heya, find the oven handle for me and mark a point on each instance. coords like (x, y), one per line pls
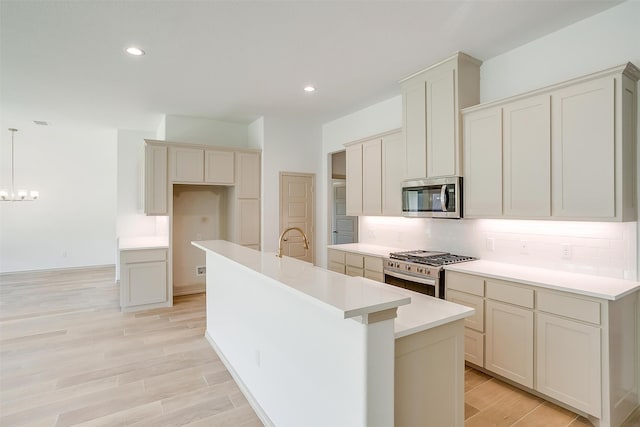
(421, 280)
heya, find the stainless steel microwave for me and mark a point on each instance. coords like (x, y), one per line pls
(432, 197)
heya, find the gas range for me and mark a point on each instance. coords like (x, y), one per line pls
(420, 270)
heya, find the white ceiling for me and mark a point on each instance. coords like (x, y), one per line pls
(64, 61)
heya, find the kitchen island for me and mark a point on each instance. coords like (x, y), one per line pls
(312, 347)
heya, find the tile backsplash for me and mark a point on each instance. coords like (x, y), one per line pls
(598, 248)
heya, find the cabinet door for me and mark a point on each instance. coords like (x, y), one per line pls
(392, 174)
(509, 342)
(186, 164)
(354, 180)
(372, 177)
(527, 157)
(442, 140)
(414, 128)
(474, 346)
(248, 171)
(583, 150)
(249, 222)
(568, 362)
(155, 180)
(483, 163)
(146, 283)
(219, 167)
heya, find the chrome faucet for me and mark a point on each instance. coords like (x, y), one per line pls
(304, 237)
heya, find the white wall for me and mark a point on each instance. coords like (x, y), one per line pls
(73, 223)
(375, 119)
(289, 146)
(131, 220)
(198, 130)
(602, 41)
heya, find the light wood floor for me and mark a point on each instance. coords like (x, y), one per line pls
(69, 357)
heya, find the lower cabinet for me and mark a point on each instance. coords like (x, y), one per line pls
(143, 279)
(509, 349)
(353, 264)
(568, 356)
(579, 350)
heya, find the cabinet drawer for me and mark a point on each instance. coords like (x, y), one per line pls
(474, 347)
(465, 283)
(338, 267)
(477, 320)
(569, 306)
(374, 275)
(354, 271)
(505, 292)
(354, 260)
(373, 264)
(143, 255)
(336, 256)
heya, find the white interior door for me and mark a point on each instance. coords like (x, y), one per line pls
(344, 228)
(297, 210)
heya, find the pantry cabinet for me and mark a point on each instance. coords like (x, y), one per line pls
(244, 215)
(431, 101)
(374, 175)
(565, 152)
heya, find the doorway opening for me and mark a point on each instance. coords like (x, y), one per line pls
(343, 228)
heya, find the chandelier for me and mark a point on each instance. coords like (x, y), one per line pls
(12, 195)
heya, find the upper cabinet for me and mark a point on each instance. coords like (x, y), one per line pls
(431, 101)
(201, 165)
(566, 152)
(374, 175)
(248, 165)
(154, 177)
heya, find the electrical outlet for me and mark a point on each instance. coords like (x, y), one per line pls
(524, 247)
(566, 251)
(490, 244)
(201, 270)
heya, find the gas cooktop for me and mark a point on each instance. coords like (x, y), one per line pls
(431, 258)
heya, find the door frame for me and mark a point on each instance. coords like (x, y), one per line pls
(313, 233)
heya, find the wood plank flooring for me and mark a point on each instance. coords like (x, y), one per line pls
(69, 357)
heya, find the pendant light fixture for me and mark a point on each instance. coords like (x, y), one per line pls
(12, 195)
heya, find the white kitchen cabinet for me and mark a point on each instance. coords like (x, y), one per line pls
(186, 164)
(248, 170)
(336, 261)
(354, 179)
(568, 360)
(374, 175)
(249, 222)
(371, 177)
(509, 342)
(155, 180)
(143, 279)
(565, 152)
(431, 101)
(219, 167)
(527, 157)
(392, 174)
(354, 264)
(483, 163)
(583, 117)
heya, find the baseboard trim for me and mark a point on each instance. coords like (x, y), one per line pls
(58, 270)
(192, 292)
(252, 401)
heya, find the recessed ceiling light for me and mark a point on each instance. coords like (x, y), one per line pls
(309, 88)
(41, 122)
(135, 51)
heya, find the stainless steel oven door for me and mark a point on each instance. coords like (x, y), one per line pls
(422, 285)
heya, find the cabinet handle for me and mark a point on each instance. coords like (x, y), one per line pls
(443, 198)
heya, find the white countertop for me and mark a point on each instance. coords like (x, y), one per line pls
(581, 284)
(353, 296)
(366, 249)
(350, 296)
(143, 242)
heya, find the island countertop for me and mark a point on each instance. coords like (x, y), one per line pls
(349, 296)
(353, 296)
